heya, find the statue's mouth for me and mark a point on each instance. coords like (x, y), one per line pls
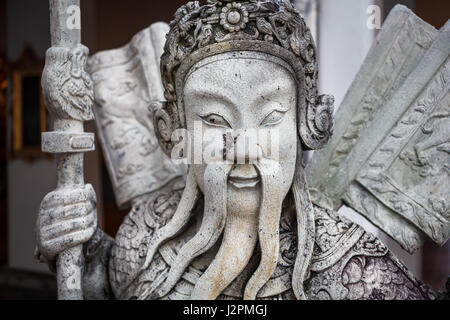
(244, 176)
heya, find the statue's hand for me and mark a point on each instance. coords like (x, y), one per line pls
(67, 218)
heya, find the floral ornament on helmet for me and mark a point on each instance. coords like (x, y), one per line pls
(234, 17)
(269, 26)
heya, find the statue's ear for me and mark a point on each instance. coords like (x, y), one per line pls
(316, 122)
(163, 127)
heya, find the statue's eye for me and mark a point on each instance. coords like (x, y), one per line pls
(215, 120)
(273, 118)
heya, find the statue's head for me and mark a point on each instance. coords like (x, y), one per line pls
(236, 71)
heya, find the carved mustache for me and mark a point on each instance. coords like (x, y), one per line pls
(222, 270)
(213, 223)
(215, 216)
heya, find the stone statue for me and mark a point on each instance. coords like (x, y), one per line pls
(259, 225)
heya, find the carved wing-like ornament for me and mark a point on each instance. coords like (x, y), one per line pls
(127, 83)
(389, 158)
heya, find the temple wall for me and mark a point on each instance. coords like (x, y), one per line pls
(28, 182)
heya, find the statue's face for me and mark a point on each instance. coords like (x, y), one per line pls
(245, 95)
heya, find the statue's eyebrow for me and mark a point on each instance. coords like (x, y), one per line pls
(268, 98)
(279, 107)
(204, 93)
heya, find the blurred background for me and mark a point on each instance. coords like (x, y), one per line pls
(26, 174)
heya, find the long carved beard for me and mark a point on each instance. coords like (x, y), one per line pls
(214, 217)
(178, 221)
(269, 226)
(240, 238)
(238, 244)
(305, 228)
(241, 234)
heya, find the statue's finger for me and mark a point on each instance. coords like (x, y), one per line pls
(66, 197)
(64, 213)
(63, 243)
(65, 228)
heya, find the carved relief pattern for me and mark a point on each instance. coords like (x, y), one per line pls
(329, 229)
(373, 278)
(374, 177)
(67, 87)
(437, 139)
(124, 118)
(428, 221)
(275, 23)
(288, 242)
(367, 272)
(134, 235)
(406, 234)
(309, 10)
(127, 133)
(380, 86)
(435, 94)
(363, 270)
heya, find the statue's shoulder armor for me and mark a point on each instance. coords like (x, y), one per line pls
(148, 214)
(349, 263)
(335, 235)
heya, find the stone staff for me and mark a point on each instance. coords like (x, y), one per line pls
(68, 94)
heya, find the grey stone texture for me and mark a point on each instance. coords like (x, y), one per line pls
(388, 158)
(266, 228)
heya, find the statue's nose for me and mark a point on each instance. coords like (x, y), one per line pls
(247, 149)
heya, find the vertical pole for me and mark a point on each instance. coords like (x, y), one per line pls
(68, 95)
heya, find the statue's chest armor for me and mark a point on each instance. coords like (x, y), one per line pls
(343, 252)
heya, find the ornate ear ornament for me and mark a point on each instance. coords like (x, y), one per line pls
(163, 126)
(269, 26)
(316, 124)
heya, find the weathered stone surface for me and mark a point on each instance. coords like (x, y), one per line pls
(242, 225)
(127, 84)
(399, 47)
(375, 122)
(62, 142)
(408, 171)
(67, 216)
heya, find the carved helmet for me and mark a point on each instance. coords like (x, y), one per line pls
(272, 27)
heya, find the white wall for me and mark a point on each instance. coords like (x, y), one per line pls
(344, 41)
